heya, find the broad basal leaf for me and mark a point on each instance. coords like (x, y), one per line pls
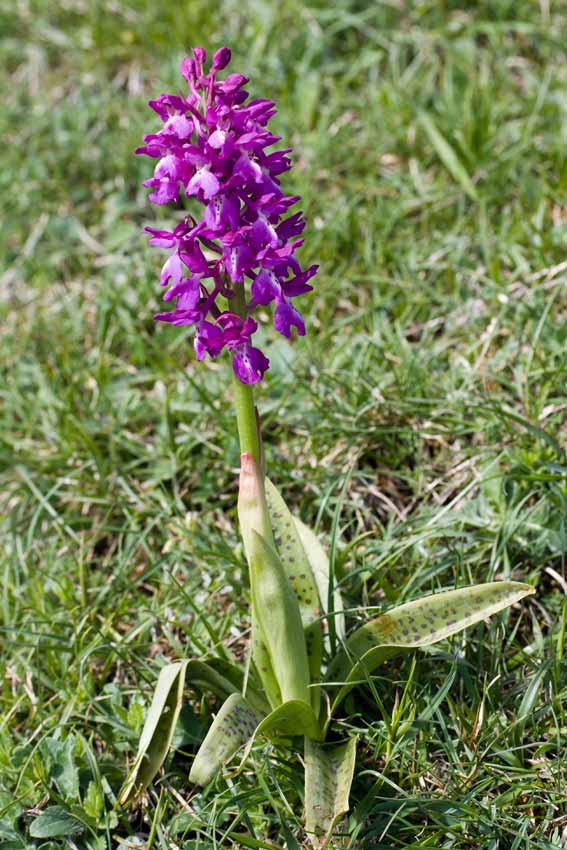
(234, 725)
(419, 623)
(277, 614)
(158, 729)
(328, 777)
(223, 679)
(293, 557)
(297, 567)
(237, 725)
(295, 717)
(263, 664)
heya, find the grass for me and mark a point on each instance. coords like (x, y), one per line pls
(422, 418)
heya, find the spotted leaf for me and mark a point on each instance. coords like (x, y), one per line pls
(232, 728)
(319, 561)
(328, 777)
(420, 623)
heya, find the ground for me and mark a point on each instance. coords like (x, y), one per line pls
(419, 426)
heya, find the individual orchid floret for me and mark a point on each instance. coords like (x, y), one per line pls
(240, 254)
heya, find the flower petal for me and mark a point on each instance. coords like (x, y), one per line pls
(187, 292)
(286, 317)
(205, 182)
(172, 268)
(208, 340)
(249, 364)
(265, 287)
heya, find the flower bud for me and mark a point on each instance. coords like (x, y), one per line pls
(200, 55)
(221, 59)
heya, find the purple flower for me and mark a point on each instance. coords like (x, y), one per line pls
(212, 147)
(204, 184)
(168, 174)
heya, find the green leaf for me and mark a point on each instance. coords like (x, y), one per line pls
(278, 617)
(237, 725)
(188, 729)
(297, 567)
(292, 718)
(234, 725)
(293, 557)
(263, 664)
(448, 156)
(319, 562)
(158, 730)
(419, 623)
(328, 778)
(279, 645)
(93, 801)
(223, 679)
(55, 822)
(63, 768)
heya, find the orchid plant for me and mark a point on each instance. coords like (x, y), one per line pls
(238, 256)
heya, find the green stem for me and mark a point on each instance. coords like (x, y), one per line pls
(249, 429)
(246, 419)
(244, 395)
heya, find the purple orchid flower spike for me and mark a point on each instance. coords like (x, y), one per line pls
(212, 149)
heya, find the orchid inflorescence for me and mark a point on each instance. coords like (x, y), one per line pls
(213, 146)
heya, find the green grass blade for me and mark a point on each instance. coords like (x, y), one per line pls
(158, 730)
(234, 725)
(298, 568)
(419, 623)
(447, 155)
(319, 562)
(328, 777)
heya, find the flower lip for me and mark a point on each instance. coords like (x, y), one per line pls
(249, 364)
